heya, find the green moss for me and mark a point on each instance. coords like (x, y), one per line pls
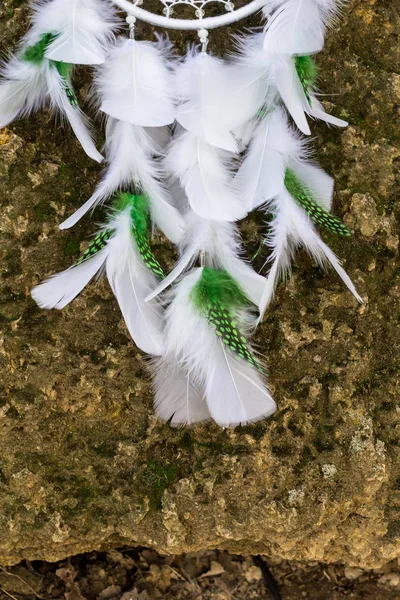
(3, 478)
(187, 441)
(285, 448)
(107, 448)
(12, 413)
(13, 265)
(25, 395)
(294, 427)
(43, 211)
(156, 478)
(71, 247)
(307, 457)
(256, 430)
(324, 437)
(393, 529)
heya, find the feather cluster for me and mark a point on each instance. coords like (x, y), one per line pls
(63, 33)
(232, 149)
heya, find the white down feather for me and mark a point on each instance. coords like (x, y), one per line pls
(202, 100)
(84, 29)
(234, 391)
(129, 278)
(130, 153)
(221, 245)
(205, 173)
(135, 84)
(292, 228)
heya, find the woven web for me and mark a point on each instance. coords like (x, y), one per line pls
(195, 9)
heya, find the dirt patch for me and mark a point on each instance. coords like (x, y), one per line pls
(142, 574)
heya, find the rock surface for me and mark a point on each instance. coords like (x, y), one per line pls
(83, 462)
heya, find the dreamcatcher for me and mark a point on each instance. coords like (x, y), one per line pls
(192, 146)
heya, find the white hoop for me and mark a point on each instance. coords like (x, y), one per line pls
(188, 24)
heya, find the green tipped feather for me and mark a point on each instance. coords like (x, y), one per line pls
(97, 244)
(307, 72)
(35, 54)
(304, 197)
(140, 214)
(65, 70)
(218, 297)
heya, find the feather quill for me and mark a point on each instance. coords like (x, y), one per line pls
(115, 251)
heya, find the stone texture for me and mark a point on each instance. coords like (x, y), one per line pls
(83, 462)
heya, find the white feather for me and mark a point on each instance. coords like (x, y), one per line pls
(250, 79)
(201, 108)
(205, 174)
(275, 75)
(295, 27)
(262, 173)
(60, 289)
(84, 29)
(176, 396)
(221, 245)
(26, 87)
(234, 391)
(291, 228)
(22, 90)
(135, 84)
(131, 281)
(75, 117)
(317, 111)
(243, 134)
(130, 155)
(274, 148)
(291, 91)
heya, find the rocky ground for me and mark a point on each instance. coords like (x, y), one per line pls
(141, 574)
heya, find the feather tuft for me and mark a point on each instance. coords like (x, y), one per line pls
(83, 29)
(135, 84)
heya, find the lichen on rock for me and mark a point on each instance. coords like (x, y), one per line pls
(85, 465)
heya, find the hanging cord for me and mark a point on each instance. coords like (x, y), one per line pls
(131, 20)
(203, 35)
